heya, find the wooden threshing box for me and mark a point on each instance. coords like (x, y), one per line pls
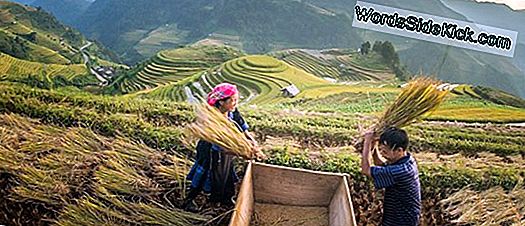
(276, 195)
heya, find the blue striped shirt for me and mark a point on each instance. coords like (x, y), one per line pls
(402, 202)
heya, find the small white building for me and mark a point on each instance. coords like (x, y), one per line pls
(106, 72)
(332, 80)
(290, 91)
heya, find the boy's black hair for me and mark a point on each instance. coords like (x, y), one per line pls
(394, 138)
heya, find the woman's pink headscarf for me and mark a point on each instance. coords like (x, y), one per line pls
(220, 92)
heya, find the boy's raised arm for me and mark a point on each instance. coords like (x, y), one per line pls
(365, 158)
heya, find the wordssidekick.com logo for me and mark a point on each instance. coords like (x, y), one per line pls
(435, 29)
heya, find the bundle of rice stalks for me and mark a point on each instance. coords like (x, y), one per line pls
(494, 206)
(212, 126)
(44, 186)
(121, 178)
(176, 171)
(112, 210)
(418, 98)
(44, 169)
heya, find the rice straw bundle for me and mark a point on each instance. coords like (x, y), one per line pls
(214, 127)
(419, 97)
(494, 206)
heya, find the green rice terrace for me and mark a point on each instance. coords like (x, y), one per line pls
(171, 66)
(337, 64)
(71, 157)
(41, 74)
(260, 80)
(33, 34)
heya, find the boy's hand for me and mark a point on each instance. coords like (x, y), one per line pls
(369, 136)
(365, 159)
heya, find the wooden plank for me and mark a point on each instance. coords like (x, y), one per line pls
(245, 202)
(341, 211)
(295, 187)
(256, 164)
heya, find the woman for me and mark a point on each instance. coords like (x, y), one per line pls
(214, 170)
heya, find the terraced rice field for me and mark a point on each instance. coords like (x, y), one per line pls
(176, 91)
(468, 109)
(334, 89)
(171, 76)
(171, 66)
(39, 53)
(264, 77)
(314, 65)
(259, 79)
(370, 100)
(368, 73)
(6, 17)
(326, 65)
(15, 69)
(465, 90)
(47, 49)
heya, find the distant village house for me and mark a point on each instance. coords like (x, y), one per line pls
(107, 72)
(290, 91)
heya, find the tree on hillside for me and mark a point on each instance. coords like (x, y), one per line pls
(30, 36)
(388, 53)
(15, 47)
(377, 46)
(401, 72)
(365, 48)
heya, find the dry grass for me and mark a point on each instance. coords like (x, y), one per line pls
(73, 176)
(113, 210)
(482, 160)
(491, 207)
(216, 128)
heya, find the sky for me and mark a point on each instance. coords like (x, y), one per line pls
(514, 4)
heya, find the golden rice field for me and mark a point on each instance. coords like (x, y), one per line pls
(13, 68)
(107, 179)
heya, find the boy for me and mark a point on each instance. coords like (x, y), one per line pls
(399, 176)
